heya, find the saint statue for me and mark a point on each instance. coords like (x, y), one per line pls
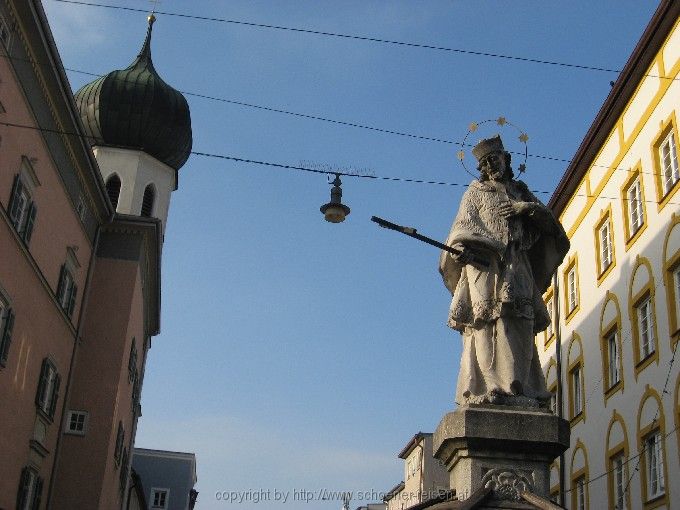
(499, 309)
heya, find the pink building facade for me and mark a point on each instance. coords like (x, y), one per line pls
(79, 278)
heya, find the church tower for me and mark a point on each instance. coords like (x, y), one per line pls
(141, 134)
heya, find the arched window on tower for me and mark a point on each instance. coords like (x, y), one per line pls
(147, 200)
(113, 190)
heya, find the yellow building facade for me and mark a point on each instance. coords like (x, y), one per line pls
(611, 355)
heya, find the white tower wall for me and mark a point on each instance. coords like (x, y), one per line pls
(136, 171)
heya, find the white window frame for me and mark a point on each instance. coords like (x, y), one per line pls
(158, 491)
(618, 463)
(656, 485)
(580, 493)
(577, 390)
(670, 173)
(67, 290)
(604, 234)
(48, 394)
(636, 213)
(572, 289)
(69, 422)
(646, 328)
(550, 330)
(613, 358)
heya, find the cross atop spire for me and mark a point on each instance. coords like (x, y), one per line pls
(155, 4)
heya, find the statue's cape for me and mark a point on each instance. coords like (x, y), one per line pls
(479, 226)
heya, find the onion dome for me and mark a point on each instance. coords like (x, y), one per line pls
(134, 108)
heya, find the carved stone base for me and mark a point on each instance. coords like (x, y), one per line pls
(508, 449)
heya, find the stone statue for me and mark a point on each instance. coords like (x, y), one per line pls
(499, 309)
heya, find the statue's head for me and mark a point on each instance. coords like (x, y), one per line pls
(494, 160)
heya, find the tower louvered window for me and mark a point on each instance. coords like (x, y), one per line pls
(148, 200)
(113, 190)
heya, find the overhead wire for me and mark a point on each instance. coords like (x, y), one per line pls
(314, 170)
(356, 37)
(350, 123)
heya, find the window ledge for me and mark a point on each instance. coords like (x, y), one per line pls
(605, 273)
(613, 389)
(576, 419)
(645, 362)
(37, 447)
(635, 236)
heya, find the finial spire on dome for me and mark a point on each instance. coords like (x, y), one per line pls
(146, 47)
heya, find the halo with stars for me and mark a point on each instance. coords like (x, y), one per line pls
(502, 122)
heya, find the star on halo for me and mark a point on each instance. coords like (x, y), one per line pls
(524, 138)
(501, 121)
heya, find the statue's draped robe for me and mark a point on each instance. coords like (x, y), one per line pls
(500, 309)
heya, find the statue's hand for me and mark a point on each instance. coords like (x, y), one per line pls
(464, 256)
(508, 209)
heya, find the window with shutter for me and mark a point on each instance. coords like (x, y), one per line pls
(132, 362)
(6, 326)
(22, 210)
(67, 291)
(30, 489)
(48, 389)
(120, 438)
(124, 469)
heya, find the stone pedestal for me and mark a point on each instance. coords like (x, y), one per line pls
(508, 449)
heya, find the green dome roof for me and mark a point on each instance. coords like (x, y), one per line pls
(134, 108)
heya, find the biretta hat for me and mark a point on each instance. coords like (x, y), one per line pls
(487, 146)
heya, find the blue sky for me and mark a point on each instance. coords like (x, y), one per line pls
(296, 354)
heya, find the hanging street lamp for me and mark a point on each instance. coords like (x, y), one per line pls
(335, 211)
